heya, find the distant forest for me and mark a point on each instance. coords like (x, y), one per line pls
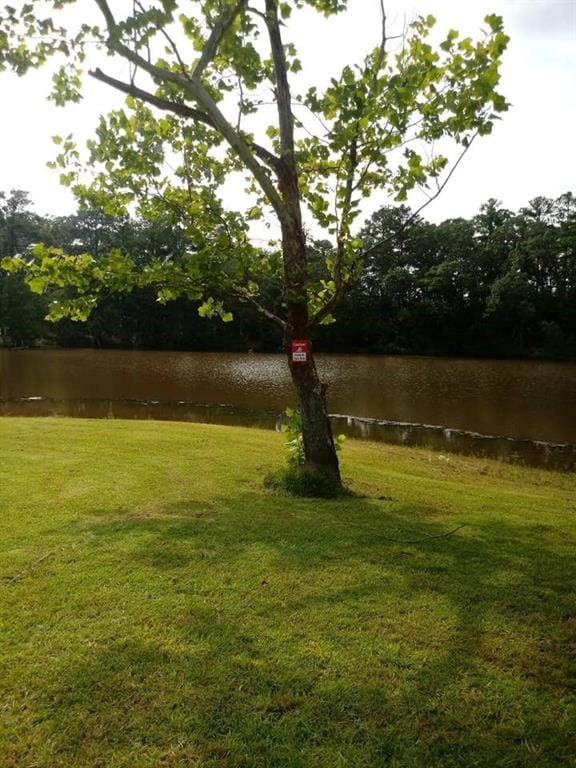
(499, 284)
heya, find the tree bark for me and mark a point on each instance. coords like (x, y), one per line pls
(319, 448)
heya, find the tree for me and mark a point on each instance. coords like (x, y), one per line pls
(21, 313)
(202, 75)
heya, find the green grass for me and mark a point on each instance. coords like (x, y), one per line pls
(159, 608)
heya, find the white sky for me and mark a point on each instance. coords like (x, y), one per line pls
(531, 152)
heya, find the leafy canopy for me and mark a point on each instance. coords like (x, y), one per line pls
(202, 77)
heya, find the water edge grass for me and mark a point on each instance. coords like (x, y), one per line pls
(160, 608)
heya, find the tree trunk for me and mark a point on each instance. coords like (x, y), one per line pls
(319, 448)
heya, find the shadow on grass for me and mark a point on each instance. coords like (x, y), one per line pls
(294, 633)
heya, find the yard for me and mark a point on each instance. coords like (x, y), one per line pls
(159, 607)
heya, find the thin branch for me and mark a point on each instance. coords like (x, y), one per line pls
(327, 130)
(256, 12)
(342, 288)
(383, 39)
(240, 104)
(349, 189)
(419, 210)
(344, 224)
(363, 175)
(345, 285)
(298, 123)
(169, 106)
(178, 109)
(245, 296)
(220, 28)
(201, 96)
(172, 45)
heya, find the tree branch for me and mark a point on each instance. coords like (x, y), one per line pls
(345, 285)
(171, 43)
(196, 91)
(293, 237)
(244, 296)
(283, 97)
(383, 39)
(222, 26)
(342, 287)
(178, 109)
(419, 210)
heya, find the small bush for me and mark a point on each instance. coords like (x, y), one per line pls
(295, 443)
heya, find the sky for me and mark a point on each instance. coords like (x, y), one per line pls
(531, 151)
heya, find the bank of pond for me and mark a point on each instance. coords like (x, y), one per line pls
(519, 411)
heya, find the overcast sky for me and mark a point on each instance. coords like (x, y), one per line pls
(531, 152)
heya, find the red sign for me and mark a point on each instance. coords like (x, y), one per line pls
(300, 351)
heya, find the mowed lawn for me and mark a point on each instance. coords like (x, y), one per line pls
(159, 608)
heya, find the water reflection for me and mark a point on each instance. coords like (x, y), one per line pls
(524, 400)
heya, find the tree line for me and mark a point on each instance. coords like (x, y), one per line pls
(501, 283)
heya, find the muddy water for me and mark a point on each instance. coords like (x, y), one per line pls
(456, 403)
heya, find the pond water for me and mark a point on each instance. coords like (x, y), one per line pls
(520, 410)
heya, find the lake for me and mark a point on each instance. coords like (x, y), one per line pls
(518, 410)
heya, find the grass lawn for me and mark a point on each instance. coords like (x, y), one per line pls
(159, 608)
